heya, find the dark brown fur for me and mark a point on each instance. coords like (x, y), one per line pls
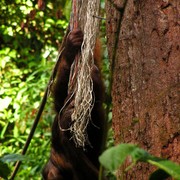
(67, 162)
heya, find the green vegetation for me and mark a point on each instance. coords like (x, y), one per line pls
(114, 157)
(29, 41)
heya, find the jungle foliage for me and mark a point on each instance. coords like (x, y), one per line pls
(30, 35)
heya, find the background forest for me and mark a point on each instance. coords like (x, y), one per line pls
(30, 35)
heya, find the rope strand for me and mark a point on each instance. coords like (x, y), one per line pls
(83, 87)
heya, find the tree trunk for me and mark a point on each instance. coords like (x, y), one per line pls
(144, 50)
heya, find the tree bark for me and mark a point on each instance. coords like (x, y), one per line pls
(143, 39)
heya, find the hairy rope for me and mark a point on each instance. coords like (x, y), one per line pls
(80, 83)
(84, 87)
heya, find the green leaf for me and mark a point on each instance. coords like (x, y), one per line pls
(67, 9)
(139, 154)
(166, 165)
(13, 158)
(3, 130)
(115, 156)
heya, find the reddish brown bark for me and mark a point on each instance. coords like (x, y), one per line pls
(145, 64)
